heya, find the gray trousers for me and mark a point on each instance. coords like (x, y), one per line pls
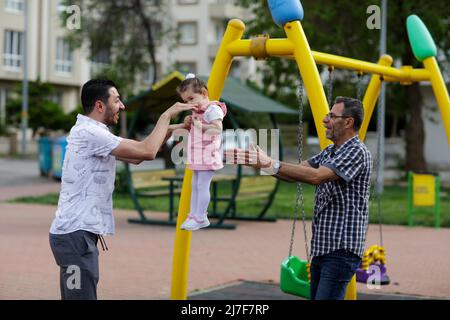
(76, 254)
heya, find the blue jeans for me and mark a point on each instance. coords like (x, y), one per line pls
(331, 273)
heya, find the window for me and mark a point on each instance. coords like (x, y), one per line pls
(14, 5)
(235, 69)
(57, 97)
(186, 67)
(148, 74)
(219, 31)
(188, 33)
(152, 2)
(63, 56)
(3, 106)
(187, 1)
(60, 6)
(157, 32)
(13, 49)
(100, 60)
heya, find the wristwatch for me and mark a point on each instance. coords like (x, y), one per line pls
(273, 169)
(276, 165)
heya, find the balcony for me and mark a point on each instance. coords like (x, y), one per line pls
(225, 9)
(212, 49)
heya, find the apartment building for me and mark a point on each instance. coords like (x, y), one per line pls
(49, 57)
(198, 26)
(194, 30)
(201, 25)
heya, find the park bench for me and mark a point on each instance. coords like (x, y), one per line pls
(248, 188)
(150, 184)
(156, 183)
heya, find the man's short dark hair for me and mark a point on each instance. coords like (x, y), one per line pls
(94, 90)
(352, 108)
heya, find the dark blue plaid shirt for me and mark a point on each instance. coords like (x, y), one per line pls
(341, 207)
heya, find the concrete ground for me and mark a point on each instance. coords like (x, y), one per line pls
(138, 264)
(247, 290)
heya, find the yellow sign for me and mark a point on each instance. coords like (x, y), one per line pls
(424, 190)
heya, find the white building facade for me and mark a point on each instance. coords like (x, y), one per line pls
(199, 25)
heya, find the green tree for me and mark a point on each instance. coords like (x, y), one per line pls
(339, 27)
(127, 29)
(43, 112)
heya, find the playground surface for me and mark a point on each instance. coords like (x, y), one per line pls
(138, 264)
(247, 290)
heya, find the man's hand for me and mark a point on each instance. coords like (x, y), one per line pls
(187, 122)
(255, 157)
(179, 107)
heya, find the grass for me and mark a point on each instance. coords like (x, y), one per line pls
(394, 205)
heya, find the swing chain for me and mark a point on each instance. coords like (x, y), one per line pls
(330, 85)
(377, 163)
(299, 197)
(359, 85)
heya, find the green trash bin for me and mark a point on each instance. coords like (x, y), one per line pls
(58, 153)
(45, 155)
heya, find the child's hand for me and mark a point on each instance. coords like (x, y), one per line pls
(197, 123)
(179, 107)
(187, 122)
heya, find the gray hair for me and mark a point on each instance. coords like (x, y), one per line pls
(352, 108)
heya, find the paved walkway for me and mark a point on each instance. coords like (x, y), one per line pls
(247, 290)
(139, 263)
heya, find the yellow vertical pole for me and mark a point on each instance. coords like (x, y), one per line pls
(350, 294)
(371, 96)
(222, 63)
(440, 91)
(311, 78)
(180, 263)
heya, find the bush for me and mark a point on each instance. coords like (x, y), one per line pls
(42, 111)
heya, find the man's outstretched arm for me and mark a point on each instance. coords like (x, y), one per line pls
(147, 149)
(257, 158)
(308, 174)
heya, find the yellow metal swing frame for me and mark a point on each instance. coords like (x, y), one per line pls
(295, 46)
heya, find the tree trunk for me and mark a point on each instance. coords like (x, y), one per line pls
(415, 133)
(147, 25)
(394, 126)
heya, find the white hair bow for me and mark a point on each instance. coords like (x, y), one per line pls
(190, 76)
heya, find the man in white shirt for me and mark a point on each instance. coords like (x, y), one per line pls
(84, 211)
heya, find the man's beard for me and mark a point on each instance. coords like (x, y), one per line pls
(109, 117)
(334, 133)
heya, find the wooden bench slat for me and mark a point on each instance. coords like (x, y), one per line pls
(251, 196)
(158, 193)
(256, 184)
(148, 179)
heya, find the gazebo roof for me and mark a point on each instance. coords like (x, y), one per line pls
(235, 94)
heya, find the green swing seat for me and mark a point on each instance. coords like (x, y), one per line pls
(294, 277)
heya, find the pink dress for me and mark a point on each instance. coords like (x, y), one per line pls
(203, 147)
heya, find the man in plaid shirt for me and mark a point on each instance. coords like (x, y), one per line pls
(342, 174)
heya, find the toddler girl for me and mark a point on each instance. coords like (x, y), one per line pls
(203, 155)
